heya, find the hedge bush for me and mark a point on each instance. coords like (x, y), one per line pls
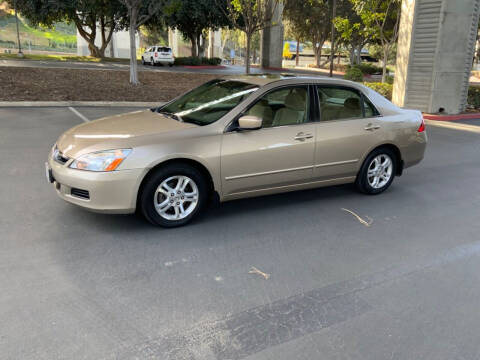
(195, 61)
(474, 96)
(382, 88)
(368, 69)
(354, 74)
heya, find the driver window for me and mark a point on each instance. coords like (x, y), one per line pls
(285, 106)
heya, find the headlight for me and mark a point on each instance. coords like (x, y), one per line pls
(107, 160)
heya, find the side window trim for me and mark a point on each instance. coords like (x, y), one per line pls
(230, 127)
(314, 104)
(365, 99)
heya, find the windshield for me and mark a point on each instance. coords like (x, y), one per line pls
(209, 102)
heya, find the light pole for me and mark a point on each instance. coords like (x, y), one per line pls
(332, 43)
(20, 53)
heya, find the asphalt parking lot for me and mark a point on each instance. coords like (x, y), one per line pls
(79, 285)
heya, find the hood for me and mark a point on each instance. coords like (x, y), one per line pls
(115, 132)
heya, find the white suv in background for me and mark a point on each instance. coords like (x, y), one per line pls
(158, 55)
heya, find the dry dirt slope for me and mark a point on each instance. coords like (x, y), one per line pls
(40, 84)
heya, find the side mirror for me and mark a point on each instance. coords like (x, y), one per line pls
(249, 122)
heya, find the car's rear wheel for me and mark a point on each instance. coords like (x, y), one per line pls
(377, 172)
(173, 195)
(170, 65)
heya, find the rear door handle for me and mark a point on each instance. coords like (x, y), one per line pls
(371, 127)
(302, 137)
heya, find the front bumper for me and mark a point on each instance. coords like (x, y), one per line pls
(109, 192)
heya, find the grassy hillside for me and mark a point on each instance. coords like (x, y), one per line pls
(62, 37)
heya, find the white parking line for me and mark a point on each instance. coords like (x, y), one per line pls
(84, 118)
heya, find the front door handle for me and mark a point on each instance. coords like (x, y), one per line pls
(302, 137)
(371, 127)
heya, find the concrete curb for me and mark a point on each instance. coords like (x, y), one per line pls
(451, 117)
(79, 103)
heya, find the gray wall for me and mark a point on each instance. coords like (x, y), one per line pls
(435, 52)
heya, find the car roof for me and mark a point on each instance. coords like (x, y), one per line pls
(265, 79)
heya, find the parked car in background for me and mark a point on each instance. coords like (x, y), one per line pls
(236, 138)
(162, 55)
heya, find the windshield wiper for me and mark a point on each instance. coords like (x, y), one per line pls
(196, 122)
(172, 116)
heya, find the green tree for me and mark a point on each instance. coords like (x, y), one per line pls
(251, 16)
(85, 14)
(138, 13)
(291, 32)
(154, 34)
(310, 19)
(381, 19)
(351, 30)
(193, 17)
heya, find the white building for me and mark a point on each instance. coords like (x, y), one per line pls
(180, 47)
(119, 46)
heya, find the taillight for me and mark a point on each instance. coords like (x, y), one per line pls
(156, 54)
(422, 126)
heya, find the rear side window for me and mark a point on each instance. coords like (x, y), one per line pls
(370, 110)
(337, 103)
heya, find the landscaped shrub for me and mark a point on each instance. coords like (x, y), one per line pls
(368, 69)
(382, 88)
(474, 96)
(354, 74)
(389, 79)
(336, 67)
(195, 61)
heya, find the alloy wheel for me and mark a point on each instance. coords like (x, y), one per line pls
(380, 171)
(176, 197)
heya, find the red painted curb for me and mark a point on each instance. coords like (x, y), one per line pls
(451, 117)
(204, 66)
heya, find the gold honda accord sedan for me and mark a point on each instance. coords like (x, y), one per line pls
(236, 138)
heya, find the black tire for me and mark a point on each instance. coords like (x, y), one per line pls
(362, 181)
(147, 197)
(170, 65)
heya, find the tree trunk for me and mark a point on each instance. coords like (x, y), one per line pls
(359, 54)
(247, 59)
(193, 39)
(385, 59)
(297, 54)
(200, 45)
(88, 37)
(105, 38)
(94, 50)
(352, 55)
(133, 47)
(318, 55)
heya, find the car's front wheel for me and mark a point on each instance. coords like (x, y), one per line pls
(173, 195)
(377, 172)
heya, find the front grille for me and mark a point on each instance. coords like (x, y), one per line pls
(59, 157)
(84, 194)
